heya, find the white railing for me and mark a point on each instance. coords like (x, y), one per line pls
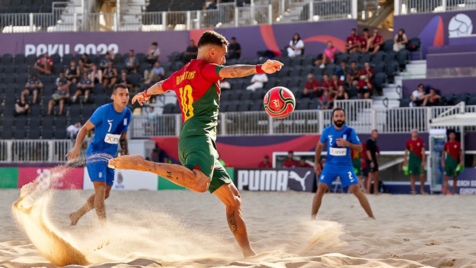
(406, 7)
(70, 18)
(359, 115)
(37, 150)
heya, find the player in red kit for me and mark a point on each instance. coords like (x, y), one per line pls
(452, 156)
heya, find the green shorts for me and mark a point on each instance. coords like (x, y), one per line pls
(356, 164)
(414, 167)
(450, 170)
(200, 152)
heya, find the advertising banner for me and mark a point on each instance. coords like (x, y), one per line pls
(8, 178)
(52, 178)
(297, 179)
(127, 180)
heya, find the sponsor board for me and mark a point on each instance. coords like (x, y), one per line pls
(8, 178)
(52, 178)
(296, 179)
(127, 180)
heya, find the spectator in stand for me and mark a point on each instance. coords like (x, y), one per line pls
(32, 87)
(341, 94)
(43, 64)
(167, 160)
(352, 43)
(156, 74)
(334, 85)
(328, 56)
(325, 83)
(296, 46)
(85, 63)
(149, 125)
(418, 97)
(364, 41)
(325, 101)
(400, 40)
(84, 87)
(234, 49)
(375, 42)
(311, 89)
(109, 76)
(433, 98)
(212, 5)
(303, 164)
(365, 88)
(265, 163)
(124, 80)
(353, 75)
(95, 75)
(342, 71)
(21, 107)
(191, 52)
(257, 81)
(131, 63)
(72, 73)
(368, 71)
(290, 162)
(61, 94)
(105, 62)
(153, 53)
(72, 130)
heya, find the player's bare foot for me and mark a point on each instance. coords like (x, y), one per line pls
(74, 219)
(424, 193)
(249, 253)
(125, 161)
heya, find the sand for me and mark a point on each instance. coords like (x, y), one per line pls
(186, 229)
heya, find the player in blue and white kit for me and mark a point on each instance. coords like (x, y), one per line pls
(341, 139)
(110, 122)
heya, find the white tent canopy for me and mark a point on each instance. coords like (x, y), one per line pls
(467, 119)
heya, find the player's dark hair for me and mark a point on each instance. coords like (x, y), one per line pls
(290, 152)
(366, 30)
(337, 109)
(114, 90)
(212, 38)
(155, 44)
(353, 29)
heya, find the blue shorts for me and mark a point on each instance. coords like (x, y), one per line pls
(345, 173)
(99, 171)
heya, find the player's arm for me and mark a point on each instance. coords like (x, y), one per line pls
(145, 95)
(123, 143)
(317, 166)
(405, 157)
(234, 71)
(74, 153)
(443, 157)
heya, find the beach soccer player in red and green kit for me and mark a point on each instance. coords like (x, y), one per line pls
(198, 93)
(416, 164)
(452, 156)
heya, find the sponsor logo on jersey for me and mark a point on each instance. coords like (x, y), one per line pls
(338, 151)
(112, 138)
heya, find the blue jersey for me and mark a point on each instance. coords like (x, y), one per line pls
(109, 126)
(336, 155)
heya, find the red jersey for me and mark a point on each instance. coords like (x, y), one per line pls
(198, 94)
(325, 84)
(352, 39)
(415, 147)
(334, 86)
(453, 149)
(306, 165)
(290, 163)
(377, 40)
(265, 165)
(45, 60)
(312, 85)
(363, 41)
(364, 72)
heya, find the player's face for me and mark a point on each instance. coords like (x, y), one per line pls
(452, 136)
(339, 118)
(121, 98)
(218, 54)
(374, 134)
(414, 134)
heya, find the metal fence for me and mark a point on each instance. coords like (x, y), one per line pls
(406, 7)
(359, 115)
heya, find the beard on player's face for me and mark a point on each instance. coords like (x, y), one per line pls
(339, 122)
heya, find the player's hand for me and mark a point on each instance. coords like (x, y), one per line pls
(423, 164)
(271, 66)
(372, 165)
(342, 143)
(140, 98)
(317, 169)
(74, 153)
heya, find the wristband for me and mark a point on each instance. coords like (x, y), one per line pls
(259, 70)
(145, 95)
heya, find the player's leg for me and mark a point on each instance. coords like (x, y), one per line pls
(455, 181)
(412, 183)
(376, 181)
(362, 200)
(317, 201)
(369, 181)
(422, 183)
(229, 195)
(445, 184)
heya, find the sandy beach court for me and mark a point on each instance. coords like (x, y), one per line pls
(186, 229)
